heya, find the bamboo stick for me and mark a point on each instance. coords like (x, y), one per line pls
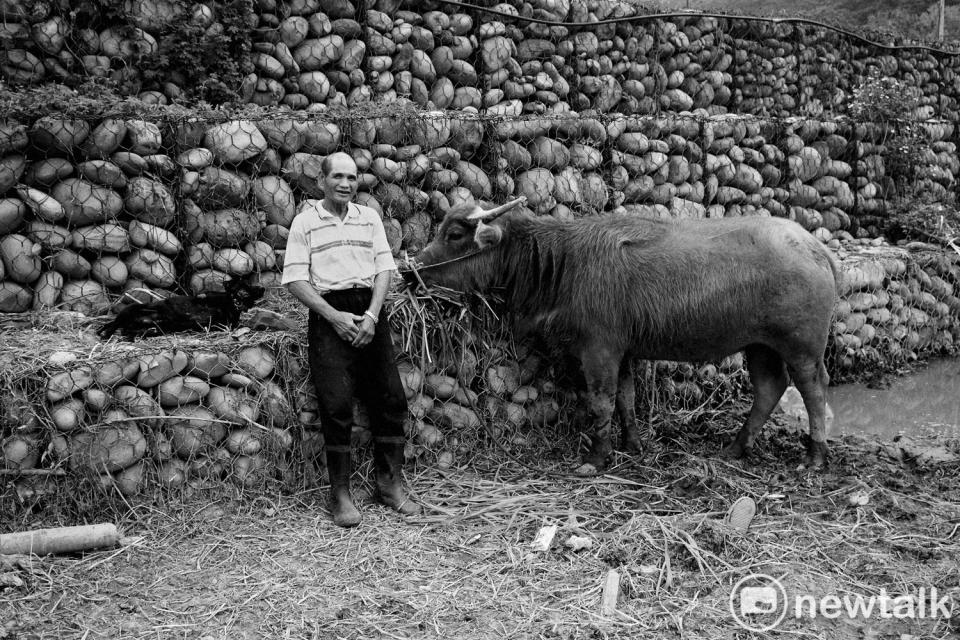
(43, 542)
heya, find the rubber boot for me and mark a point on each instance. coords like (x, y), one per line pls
(387, 461)
(339, 467)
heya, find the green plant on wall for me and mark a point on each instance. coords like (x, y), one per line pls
(891, 104)
(204, 49)
(917, 211)
(208, 61)
(881, 98)
(927, 221)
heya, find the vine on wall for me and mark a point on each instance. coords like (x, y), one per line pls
(921, 210)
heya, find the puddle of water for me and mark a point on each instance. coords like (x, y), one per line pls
(923, 402)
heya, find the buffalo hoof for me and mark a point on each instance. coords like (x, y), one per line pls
(816, 457)
(586, 470)
(734, 451)
(633, 447)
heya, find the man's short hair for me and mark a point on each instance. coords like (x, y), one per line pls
(325, 163)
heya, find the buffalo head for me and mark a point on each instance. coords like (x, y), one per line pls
(458, 256)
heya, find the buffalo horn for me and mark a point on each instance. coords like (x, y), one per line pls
(492, 214)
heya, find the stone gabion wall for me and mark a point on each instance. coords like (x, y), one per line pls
(508, 57)
(157, 50)
(90, 209)
(897, 304)
(131, 416)
(584, 107)
(687, 116)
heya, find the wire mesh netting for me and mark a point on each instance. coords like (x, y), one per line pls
(91, 209)
(166, 410)
(609, 56)
(583, 108)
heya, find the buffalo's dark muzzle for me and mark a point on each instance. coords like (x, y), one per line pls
(410, 279)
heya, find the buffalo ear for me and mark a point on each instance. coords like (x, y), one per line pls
(487, 235)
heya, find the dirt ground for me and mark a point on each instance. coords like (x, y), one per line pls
(216, 563)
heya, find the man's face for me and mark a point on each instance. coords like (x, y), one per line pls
(340, 184)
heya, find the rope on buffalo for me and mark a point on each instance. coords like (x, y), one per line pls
(415, 268)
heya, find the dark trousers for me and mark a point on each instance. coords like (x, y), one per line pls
(341, 372)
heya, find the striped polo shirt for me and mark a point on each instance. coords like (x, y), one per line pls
(333, 254)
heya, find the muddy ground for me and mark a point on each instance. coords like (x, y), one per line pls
(212, 562)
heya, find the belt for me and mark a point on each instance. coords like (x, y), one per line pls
(352, 289)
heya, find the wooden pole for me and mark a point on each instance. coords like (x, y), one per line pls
(43, 542)
(942, 20)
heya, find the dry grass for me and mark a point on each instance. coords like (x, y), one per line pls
(212, 562)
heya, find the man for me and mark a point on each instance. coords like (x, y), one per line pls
(338, 263)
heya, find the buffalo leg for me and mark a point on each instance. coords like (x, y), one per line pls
(600, 373)
(811, 380)
(627, 409)
(769, 378)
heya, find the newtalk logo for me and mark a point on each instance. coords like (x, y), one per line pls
(759, 602)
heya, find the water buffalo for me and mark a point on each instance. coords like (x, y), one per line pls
(614, 288)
